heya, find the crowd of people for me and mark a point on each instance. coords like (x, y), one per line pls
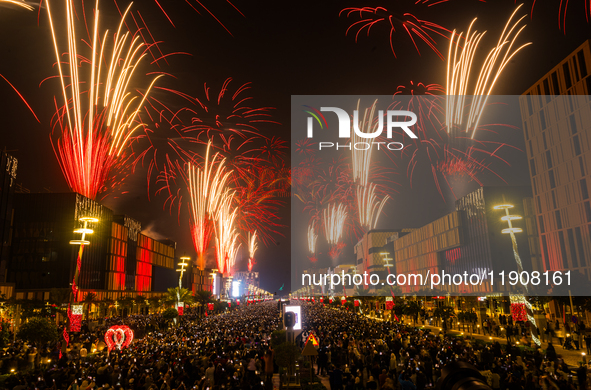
(234, 350)
(361, 353)
(214, 352)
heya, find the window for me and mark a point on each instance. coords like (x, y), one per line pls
(582, 64)
(563, 249)
(580, 244)
(573, 251)
(554, 199)
(532, 166)
(547, 90)
(543, 119)
(584, 190)
(555, 84)
(558, 220)
(573, 124)
(551, 177)
(577, 75)
(582, 166)
(588, 211)
(545, 248)
(530, 108)
(541, 224)
(544, 139)
(567, 79)
(549, 159)
(577, 145)
(538, 204)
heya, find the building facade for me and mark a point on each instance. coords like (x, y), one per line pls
(470, 239)
(369, 250)
(557, 131)
(8, 168)
(118, 261)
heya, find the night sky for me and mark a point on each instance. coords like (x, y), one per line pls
(284, 49)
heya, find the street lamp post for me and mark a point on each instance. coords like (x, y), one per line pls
(82, 242)
(182, 264)
(518, 298)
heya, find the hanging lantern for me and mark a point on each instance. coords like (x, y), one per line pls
(76, 318)
(389, 303)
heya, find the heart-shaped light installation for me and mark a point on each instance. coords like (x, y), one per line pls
(118, 336)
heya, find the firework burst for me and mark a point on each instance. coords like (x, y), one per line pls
(18, 3)
(208, 191)
(369, 206)
(417, 30)
(201, 6)
(461, 64)
(252, 248)
(226, 236)
(312, 240)
(93, 127)
(334, 217)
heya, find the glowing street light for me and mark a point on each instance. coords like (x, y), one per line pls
(82, 242)
(182, 264)
(517, 298)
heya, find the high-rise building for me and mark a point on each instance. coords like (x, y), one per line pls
(470, 239)
(8, 166)
(119, 260)
(557, 132)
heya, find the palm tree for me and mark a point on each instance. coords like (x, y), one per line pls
(140, 301)
(88, 300)
(60, 297)
(203, 297)
(155, 303)
(443, 313)
(412, 309)
(107, 304)
(127, 303)
(174, 295)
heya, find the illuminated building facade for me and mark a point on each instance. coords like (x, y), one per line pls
(113, 265)
(470, 239)
(248, 278)
(557, 131)
(199, 279)
(368, 250)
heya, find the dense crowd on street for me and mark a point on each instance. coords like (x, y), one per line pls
(361, 353)
(233, 351)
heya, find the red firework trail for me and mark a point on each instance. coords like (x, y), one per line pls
(199, 7)
(173, 138)
(563, 10)
(417, 30)
(22, 98)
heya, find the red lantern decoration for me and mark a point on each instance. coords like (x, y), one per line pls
(118, 336)
(343, 300)
(181, 310)
(357, 303)
(210, 306)
(75, 316)
(518, 312)
(321, 300)
(389, 305)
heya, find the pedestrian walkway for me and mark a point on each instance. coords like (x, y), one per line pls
(571, 357)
